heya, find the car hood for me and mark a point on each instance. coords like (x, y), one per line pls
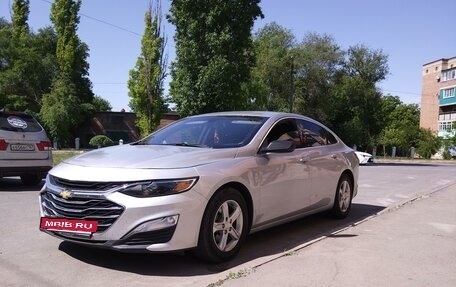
(150, 157)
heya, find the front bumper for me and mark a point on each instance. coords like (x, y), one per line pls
(127, 223)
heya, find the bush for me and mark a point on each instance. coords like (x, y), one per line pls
(428, 144)
(100, 141)
(446, 154)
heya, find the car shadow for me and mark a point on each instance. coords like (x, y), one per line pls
(272, 241)
(13, 184)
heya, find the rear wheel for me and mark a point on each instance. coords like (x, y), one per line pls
(30, 179)
(224, 226)
(343, 198)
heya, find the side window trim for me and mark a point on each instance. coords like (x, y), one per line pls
(318, 134)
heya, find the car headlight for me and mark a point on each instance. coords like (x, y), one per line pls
(159, 187)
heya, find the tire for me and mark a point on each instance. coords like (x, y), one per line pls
(30, 179)
(224, 226)
(343, 198)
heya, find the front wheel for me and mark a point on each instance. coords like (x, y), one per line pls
(343, 198)
(224, 226)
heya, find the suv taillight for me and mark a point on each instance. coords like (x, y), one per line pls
(3, 145)
(44, 145)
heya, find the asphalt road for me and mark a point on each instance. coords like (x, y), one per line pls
(31, 258)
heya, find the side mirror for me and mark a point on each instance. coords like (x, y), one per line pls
(279, 146)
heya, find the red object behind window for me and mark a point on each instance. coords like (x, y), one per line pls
(3, 145)
(44, 145)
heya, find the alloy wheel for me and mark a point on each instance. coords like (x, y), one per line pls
(227, 225)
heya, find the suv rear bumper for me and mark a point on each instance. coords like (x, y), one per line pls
(17, 171)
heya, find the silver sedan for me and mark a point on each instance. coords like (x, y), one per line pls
(202, 183)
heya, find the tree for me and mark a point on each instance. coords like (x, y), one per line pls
(400, 124)
(21, 11)
(271, 76)
(101, 105)
(70, 99)
(356, 102)
(27, 63)
(213, 54)
(369, 65)
(428, 143)
(146, 79)
(316, 61)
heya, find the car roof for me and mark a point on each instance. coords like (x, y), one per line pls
(266, 114)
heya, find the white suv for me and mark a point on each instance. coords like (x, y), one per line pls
(25, 149)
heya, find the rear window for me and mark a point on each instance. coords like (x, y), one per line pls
(18, 123)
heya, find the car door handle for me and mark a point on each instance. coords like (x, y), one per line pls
(334, 156)
(302, 160)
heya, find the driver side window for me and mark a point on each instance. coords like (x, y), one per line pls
(283, 130)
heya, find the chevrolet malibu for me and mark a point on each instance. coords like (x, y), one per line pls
(202, 183)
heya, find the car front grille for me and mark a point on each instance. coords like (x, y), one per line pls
(102, 210)
(82, 185)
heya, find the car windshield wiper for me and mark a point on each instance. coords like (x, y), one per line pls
(173, 144)
(140, 143)
(188, 144)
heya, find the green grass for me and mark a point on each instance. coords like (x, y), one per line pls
(60, 155)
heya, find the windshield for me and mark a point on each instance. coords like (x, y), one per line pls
(208, 131)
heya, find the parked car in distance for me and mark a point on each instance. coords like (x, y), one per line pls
(25, 149)
(364, 157)
(202, 183)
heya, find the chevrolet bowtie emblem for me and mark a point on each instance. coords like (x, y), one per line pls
(65, 194)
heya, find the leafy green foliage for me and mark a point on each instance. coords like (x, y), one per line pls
(270, 87)
(317, 78)
(70, 100)
(100, 104)
(20, 17)
(100, 141)
(26, 69)
(317, 60)
(400, 124)
(356, 101)
(57, 111)
(146, 79)
(213, 54)
(369, 65)
(428, 143)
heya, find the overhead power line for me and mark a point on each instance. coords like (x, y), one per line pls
(103, 22)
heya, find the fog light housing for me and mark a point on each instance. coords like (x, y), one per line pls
(156, 231)
(156, 224)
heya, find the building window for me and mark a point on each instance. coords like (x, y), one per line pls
(446, 126)
(448, 93)
(448, 75)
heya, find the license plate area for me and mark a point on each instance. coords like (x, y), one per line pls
(22, 147)
(76, 226)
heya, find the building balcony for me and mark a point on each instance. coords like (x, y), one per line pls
(447, 96)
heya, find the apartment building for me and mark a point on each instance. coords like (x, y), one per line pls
(438, 96)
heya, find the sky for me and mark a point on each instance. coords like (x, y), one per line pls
(411, 33)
